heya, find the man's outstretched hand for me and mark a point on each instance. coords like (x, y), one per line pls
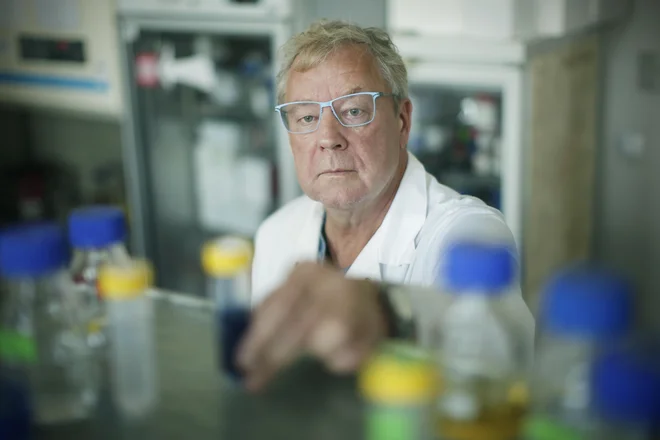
(317, 311)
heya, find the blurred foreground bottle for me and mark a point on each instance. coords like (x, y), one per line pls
(484, 354)
(400, 384)
(584, 311)
(227, 264)
(132, 354)
(39, 329)
(626, 394)
(97, 235)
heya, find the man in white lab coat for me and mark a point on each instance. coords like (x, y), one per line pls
(370, 211)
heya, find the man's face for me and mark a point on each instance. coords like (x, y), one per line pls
(344, 166)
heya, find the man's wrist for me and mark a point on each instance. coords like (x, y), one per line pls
(399, 319)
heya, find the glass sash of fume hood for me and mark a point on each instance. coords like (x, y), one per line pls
(208, 150)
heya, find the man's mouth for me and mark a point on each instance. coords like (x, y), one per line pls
(337, 171)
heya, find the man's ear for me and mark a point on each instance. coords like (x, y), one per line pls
(405, 120)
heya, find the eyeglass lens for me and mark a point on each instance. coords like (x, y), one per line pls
(352, 110)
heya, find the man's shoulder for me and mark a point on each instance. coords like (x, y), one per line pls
(445, 206)
(289, 217)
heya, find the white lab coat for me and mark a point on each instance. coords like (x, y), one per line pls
(424, 219)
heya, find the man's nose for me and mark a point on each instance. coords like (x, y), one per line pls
(329, 133)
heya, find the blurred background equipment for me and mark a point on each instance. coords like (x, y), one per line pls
(60, 55)
(204, 158)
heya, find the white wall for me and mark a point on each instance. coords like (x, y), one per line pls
(628, 214)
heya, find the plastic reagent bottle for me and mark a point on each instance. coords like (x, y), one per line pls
(400, 384)
(227, 264)
(585, 310)
(483, 355)
(132, 357)
(97, 236)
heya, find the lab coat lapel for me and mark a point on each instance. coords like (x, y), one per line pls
(366, 264)
(389, 253)
(307, 244)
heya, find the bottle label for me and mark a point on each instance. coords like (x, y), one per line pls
(16, 347)
(539, 427)
(475, 342)
(392, 424)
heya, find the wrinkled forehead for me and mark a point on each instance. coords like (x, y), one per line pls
(358, 57)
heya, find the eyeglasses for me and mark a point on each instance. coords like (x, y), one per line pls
(354, 110)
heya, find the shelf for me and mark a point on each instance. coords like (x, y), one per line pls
(460, 49)
(264, 11)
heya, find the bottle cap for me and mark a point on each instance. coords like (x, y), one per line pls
(626, 385)
(479, 267)
(96, 227)
(125, 281)
(226, 256)
(589, 302)
(399, 373)
(32, 250)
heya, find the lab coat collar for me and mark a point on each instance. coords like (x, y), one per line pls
(391, 249)
(405, 217)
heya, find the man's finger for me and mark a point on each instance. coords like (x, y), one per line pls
(292, 337)
(266, 320)
(328, 336)
(346, 359)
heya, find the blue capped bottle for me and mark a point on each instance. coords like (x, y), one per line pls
(39, 325)
(584, 310)
(625, 387)
(484, 350)
(97, 236)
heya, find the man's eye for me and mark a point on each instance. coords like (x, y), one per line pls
(307, 119)
(354, 112)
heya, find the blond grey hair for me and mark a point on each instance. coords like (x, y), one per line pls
(311, 47)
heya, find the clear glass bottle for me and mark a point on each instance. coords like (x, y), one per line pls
(39, 324)
(227, 262)
(97, 236)
(484, 354)
(16, 355)
(132, 354)
(626, 393)
(583, 311)
(400, 385)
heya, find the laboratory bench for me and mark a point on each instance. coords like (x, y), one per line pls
(304, 402)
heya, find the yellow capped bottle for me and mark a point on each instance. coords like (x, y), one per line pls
(400, 385)
(132, 356)
(227, 263)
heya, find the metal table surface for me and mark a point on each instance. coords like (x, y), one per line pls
(304, 402)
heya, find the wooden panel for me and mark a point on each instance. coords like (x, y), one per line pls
(559, 211)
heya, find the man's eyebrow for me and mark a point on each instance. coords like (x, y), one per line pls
(355, 89)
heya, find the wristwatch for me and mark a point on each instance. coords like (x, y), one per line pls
(396, 303)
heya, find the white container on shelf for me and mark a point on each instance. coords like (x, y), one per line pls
(473, 18)
(215, 165)
(500, 19)
(233, 192)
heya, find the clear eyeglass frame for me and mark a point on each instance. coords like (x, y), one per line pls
(281, 110)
